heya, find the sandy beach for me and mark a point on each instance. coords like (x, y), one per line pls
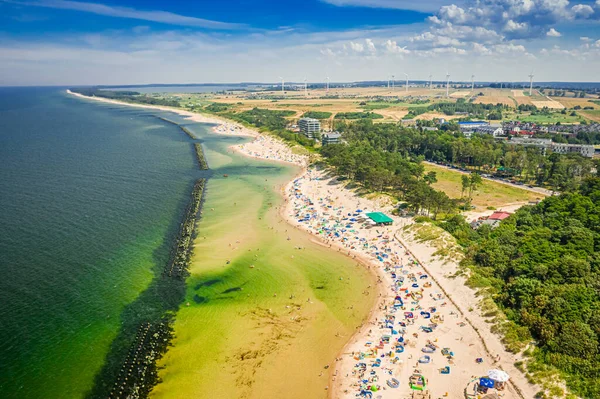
(415, 329)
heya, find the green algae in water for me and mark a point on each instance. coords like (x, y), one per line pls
(247, 282)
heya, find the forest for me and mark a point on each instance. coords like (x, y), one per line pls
(484, 111)
(128, 96)
(392, 172)
(543, 265)
(480, 153)
(317, 114)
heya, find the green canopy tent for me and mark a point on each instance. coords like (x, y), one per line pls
(380, 218)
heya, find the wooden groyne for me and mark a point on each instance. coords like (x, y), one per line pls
(183, 128)
(200, 156)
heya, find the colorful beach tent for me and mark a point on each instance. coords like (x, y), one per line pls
(379, 218)
(486, 382)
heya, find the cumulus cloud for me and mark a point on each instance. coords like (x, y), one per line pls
(357, 47)
(553, 33)
(585, 39)
(582, 10)
(370, 46)
(392, 47)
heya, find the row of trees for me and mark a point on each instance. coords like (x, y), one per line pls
(480, 110)
(481, 152)
(543, 264)
(391, 172)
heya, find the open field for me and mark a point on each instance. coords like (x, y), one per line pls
(551, 118)
(593, 115)
(495, 100)
(489, 193)
(393, 104)
(460, 94)
(572, 102)
(550, 103)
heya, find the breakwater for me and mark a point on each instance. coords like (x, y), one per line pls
(182, 249)
(200, 156)
(183, 128)
(130, 369)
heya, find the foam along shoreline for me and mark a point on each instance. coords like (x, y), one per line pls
(319, 204)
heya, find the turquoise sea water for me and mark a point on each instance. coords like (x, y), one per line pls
(91, 196)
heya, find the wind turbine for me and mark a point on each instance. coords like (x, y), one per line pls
(327, 78)
(531, 83)
(305, 88)
(406, 82)
(388, 82)
(282, 85)
(393, 77)
(430, 82)
(472, 82)
(447, 84)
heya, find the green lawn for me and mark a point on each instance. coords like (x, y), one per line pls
(489, 194)
(551, 118)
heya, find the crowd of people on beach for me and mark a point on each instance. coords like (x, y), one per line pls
(416, 340)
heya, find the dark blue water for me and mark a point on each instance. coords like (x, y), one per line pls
(90, 198)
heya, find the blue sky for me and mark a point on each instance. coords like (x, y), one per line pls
(126, 42)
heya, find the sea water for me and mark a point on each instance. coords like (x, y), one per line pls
(91, 196)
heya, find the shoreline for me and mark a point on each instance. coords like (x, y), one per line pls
(265, 147)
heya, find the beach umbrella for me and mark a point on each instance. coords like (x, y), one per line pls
(498, 375)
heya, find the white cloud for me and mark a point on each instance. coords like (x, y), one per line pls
(597, 44)
(357, 47)
(481, 49)
(454, 14)
(370, 46)
(421, 6)
(553, 33)
(585, 39)
(392, 47)
(130, 13)
(582, 10)
(512, 26)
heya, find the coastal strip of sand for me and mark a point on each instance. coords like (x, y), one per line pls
(415, 329)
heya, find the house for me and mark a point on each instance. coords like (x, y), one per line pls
(495, 218)
(429, 128)
(471, 125)
(494, 131)
(331, 138)
(309, 127)
(499, 215)
(584, 150)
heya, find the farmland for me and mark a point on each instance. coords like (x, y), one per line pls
(390, 105)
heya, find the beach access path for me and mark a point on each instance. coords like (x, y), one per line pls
(318, 203)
